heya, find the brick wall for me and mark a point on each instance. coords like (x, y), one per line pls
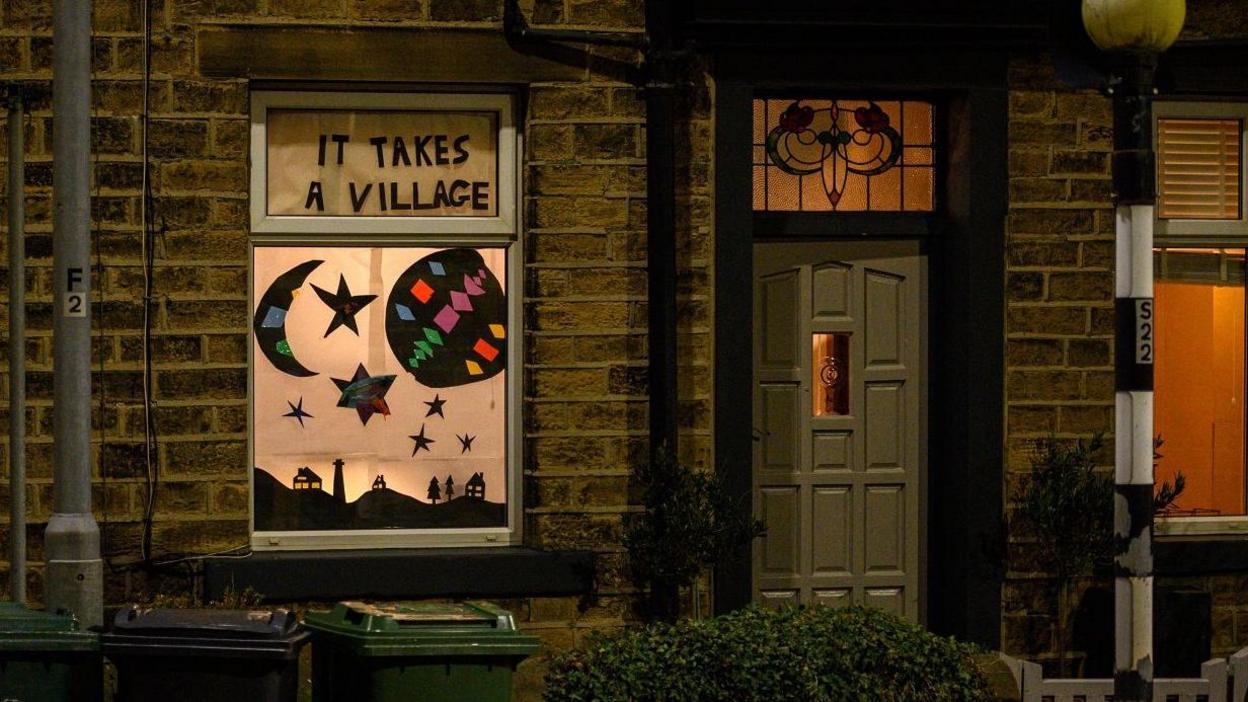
(585, 308)
(1059, 302)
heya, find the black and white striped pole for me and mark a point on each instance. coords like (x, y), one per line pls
(1136, 31)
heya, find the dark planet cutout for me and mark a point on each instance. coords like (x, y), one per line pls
(270, 321)
(446, 320)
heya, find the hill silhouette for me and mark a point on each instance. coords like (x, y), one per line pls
(279, 508)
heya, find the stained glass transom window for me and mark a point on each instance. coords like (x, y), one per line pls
(844, 156)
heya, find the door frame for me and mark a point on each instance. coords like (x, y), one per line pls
(965, 245)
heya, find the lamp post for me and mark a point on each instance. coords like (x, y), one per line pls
(1135, 32)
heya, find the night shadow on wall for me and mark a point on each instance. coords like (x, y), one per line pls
(1182, 632)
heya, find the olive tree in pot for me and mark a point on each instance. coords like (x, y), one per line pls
(1066, 504)
(691, 522)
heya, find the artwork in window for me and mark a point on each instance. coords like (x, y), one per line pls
(843, 155)
(830, 356)
(1198, 169)
(1199, 383)
(378, 387)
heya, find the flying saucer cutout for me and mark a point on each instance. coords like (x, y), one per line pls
(270, 319)
(454, 302)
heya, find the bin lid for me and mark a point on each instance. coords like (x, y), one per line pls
(24, 629)
(213, 623)
(219, 632)
(423, 629)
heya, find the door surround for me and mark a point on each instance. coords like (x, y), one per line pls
(965, 243)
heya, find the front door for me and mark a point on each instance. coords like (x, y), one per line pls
(839, 423)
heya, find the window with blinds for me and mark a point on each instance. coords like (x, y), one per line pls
(1198, 168)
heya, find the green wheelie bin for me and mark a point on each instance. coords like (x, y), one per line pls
(46, 657)
(406, 653)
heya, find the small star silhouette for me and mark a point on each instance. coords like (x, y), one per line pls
(344, 305)
(465, 442)
(297, 411)
(421, 441)
(435, 407)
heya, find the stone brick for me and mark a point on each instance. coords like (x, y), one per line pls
(546, 102)
(1033, 352)
(1085, 353)
(1081, 286)
(1046, 320)
(465, 10)
(204, 175)
(605, 141)
(1050, 221)
(387, 10)
(113, 134)
(180, 138)
(1078, 162)
(1028, 162)
(1083, 105)
(12, 54)
(1044, 385)
(1042, 133)
(1030, 103)
(1038, 189)
(1086, 420)
(1056, 253)
(1026, 420)
(307, 9)
(1024, 286)
(611, 13)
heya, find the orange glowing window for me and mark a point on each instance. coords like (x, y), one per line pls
(830, 353)
(1199, 410)
(844, 156)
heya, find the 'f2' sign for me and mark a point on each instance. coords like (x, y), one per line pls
(75, 302)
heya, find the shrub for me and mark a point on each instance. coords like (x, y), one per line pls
(756, 655)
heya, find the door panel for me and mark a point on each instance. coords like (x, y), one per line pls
(839, 461)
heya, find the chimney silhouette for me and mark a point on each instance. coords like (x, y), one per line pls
(340, 490)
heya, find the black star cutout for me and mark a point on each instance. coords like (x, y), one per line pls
(421, 441)
(344, 305)
(297, 411)
(435, 407)
(465, 442)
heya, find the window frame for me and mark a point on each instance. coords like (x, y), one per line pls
(1207, 232)
(1180, 233)
(500, 231)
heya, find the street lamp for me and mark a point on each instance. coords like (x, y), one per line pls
(1135, 31)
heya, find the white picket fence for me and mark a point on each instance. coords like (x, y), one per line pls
(1221, 680)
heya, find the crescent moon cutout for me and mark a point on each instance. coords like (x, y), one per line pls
(270, 321)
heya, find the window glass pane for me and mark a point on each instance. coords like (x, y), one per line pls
(1200, 378)
(844, 155)
(1198, 168)
(830, 353)
(379, 387)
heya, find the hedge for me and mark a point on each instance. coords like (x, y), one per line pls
(819, 654)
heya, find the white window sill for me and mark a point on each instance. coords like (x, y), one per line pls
(1201, 526)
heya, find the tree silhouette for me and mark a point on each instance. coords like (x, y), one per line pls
(450, 487)
(435, 493)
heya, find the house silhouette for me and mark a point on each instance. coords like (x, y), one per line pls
(305, 479)
(379, 483)
(474, 489)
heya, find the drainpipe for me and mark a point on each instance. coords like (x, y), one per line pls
(17, 350)
(72, 541)
(1136, 31)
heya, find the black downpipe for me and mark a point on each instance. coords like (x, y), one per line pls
(661, 257)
